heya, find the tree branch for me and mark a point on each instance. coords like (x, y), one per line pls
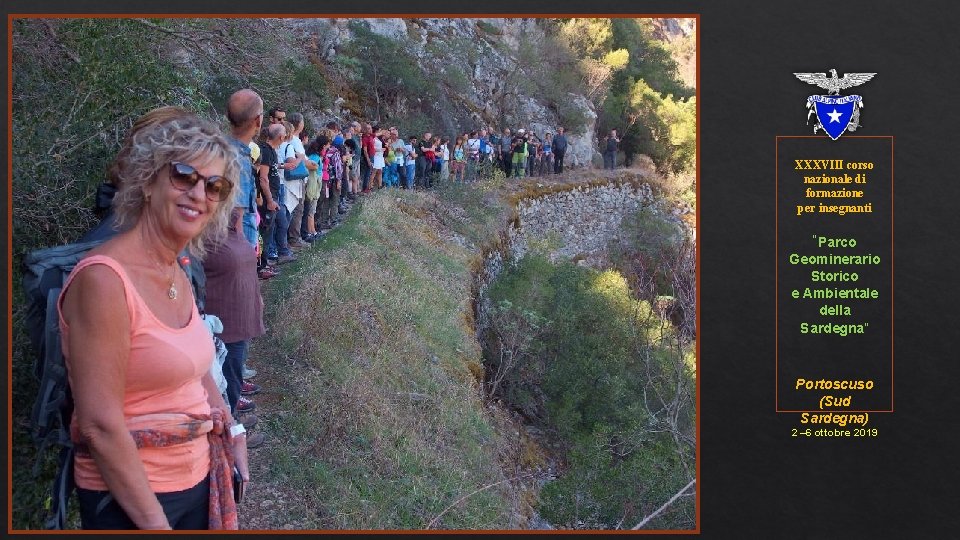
(467, 496)
(665, 505)
(56, 39)
(197, 45)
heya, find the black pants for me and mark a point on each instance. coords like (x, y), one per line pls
(365, 173)
(420, 178)
(185, 510)
(267, 219)
(558, 161)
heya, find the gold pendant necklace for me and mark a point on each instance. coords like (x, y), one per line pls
(172, 291)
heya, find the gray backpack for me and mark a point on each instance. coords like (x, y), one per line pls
(45, 272)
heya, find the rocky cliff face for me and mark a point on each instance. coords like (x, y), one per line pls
(490, 54)
(485, 102)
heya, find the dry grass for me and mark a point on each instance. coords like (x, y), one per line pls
(372, 406)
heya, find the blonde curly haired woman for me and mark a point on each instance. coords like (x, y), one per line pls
(155, 443)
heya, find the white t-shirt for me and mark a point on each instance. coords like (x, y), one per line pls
(473, 145)
(397, 147)
(378, 161)
(445, 152)
(298, 146)
(281, 159)
(294, 187)
(295, 150)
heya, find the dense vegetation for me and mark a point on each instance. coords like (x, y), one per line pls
(611, 379)
(634, 79)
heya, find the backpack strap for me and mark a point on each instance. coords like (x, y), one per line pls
(63, 487)
(54, 391)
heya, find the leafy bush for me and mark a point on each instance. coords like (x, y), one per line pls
(650, 243)
(308, 88)
(646, 100)
(387, 71)
(612, 380)
(489, 28)
(660, 264)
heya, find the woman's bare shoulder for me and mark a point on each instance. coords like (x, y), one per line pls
(99, 286)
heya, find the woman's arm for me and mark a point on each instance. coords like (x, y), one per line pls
(293, 162)
(95, 310)
(215, 399)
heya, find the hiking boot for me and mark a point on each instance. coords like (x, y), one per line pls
(255, 439)
(267, 273)
(284, 259)
(249, 389)
(245, 405)
(249, 420)
(249, 373)
(299, 244)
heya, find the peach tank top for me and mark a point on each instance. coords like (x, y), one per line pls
(164, 372)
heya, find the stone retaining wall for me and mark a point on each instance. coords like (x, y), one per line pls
(572, 223)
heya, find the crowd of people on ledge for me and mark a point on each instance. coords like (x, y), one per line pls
(306, 182)
(163, 409)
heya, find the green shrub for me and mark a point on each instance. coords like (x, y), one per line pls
(387, 73)
(489, 28)
(611, 380)
(650, 244)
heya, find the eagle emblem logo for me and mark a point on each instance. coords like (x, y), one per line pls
(835, 113)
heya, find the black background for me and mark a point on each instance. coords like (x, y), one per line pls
(755, 480)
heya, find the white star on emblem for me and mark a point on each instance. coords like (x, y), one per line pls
(834, 116)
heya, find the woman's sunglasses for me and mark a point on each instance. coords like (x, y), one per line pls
(184, 177)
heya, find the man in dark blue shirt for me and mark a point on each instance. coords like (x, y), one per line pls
(610, 150)
(559, 149)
